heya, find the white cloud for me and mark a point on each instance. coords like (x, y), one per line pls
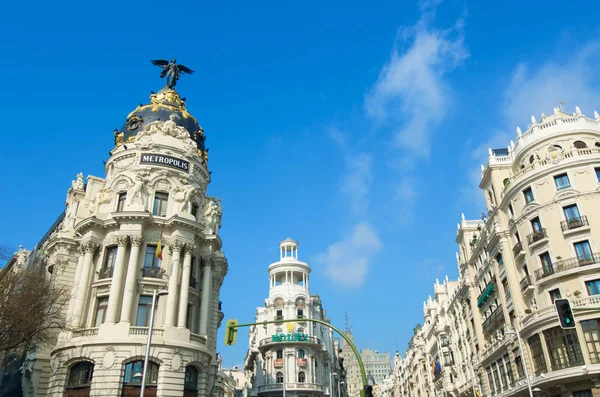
(347, 262)
(411, 93)
(356, 181)
(572, 79)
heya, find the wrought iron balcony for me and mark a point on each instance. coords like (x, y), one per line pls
(567, 264)
(152, 272)
(525, 282)
(517, 248)
(493, 318)
(105, 272)
(536, 236)
(574, 223)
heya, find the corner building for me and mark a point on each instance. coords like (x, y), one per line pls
(291, 359)
(104, 248)
(539, 241)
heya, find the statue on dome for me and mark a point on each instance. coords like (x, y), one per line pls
(171, 70)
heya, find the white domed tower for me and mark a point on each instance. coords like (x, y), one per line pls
(146, 229)
(291, 358)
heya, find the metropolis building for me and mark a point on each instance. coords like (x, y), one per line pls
(147, 225)
(296, 359)
(539, 241)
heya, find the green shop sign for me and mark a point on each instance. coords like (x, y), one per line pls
(289, 337)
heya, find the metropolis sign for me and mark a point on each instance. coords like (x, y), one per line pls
(289, 337)
(167, 161)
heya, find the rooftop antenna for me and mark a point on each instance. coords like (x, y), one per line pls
(560, 106)
(396, 340)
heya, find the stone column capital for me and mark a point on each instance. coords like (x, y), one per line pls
(137, 241)
(176, 245)
(190, 248)
(121, 241)
(90, 246)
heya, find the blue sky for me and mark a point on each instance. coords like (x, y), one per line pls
(356, 128)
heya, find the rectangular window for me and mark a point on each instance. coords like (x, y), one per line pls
(546, 263)
(509, 372)
(110, 257)
(571, 212)
(537, 354)
(121, 201)
(598, 174)
(160, 204)
(193, 281)
(519, 366)
(562, 181)
(143, 312)
(100, 311)
(536, 224)
(150, 259)
(583, 251)
(528, 193)
(554, 294)
(582, 393)
(188, 321)
(194, 210)
(593, 287)
(564, 349)
(591, 333)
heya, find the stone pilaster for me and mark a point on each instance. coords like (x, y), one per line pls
(83, 286)
(175, 247)
(133, 271)
(185, 286)
(115, 299)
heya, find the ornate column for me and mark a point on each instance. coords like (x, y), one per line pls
(83, 286)
(175, 247)
(75, 285)
(131, 279)
(205, 303)
(115, 298)
(185, 286)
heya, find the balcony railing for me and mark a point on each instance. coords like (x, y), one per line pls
(278, 318)
(536, 236)
(144, 331)
(84, 332)
(302, 362)
(278, 362)
(567, 264)
(497, 314)
(105, 272)
(153, 272)
(574, 223)
(309, 339)
(525, 282)
(517, 248)
(290, 386)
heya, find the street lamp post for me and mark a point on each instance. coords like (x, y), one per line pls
(150, 329)
(524, 363)
(331, 375)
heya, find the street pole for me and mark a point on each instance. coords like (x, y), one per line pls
(473, 378)
(331, 375)
(524, 363)
(150, 329)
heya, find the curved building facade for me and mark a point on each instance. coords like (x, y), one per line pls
(147, 226)
(291, 359)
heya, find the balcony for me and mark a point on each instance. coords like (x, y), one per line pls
(278, 318)
(526, 282)
(290, 386)
(302, 362)
(574, 223)
(84, 332)
(300, 318)
(105, 272)
(517, 248)
(302, 339)
(144, 331)
(153, 272)
(567, 264)
(536, 236)
(278, 362)
(494, 318)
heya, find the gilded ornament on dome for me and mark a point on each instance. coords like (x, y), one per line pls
(134, 122)
(118, 137)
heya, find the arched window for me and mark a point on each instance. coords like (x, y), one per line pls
(301, 353)
(579, 145)
(80, 380)
(597, 144)
(279, 354)
(191, 381)
(279, 377)
(132, 379)
(301, 377)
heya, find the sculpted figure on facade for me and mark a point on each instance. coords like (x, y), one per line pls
(138, 193)
(78, 183)
(184, 196)
(170, 128)
(212, 214)
(102, 197)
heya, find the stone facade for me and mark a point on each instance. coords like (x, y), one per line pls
(105, 250)
(538, 242)
(291, 359)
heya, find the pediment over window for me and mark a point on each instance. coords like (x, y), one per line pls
(278, 302)
(565, 193)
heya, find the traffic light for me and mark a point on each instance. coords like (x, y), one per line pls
(565, 314)
(231, 332)
(368, 391)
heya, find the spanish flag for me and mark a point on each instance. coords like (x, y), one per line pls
(158, 252)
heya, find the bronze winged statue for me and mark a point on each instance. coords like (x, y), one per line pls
(171, 70)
